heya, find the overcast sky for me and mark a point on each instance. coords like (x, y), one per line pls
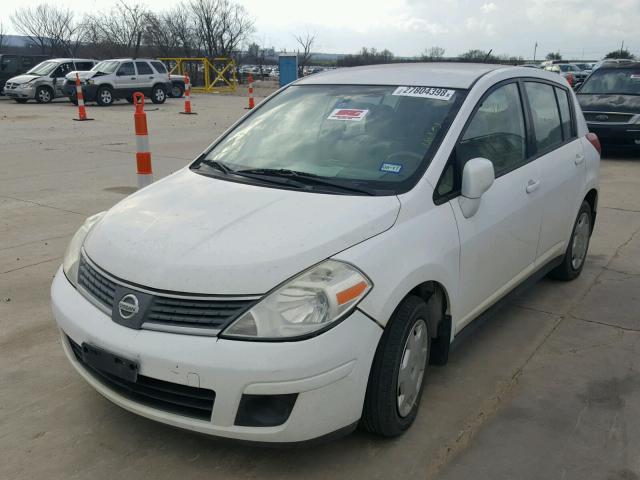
(576, 28)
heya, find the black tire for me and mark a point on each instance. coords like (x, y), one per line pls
(381, 413)
(44, 95)
(158, 94)
(104, 97)
(20, 100)
(129, 99)
(568, 270)
(74, 101)
(177, 90)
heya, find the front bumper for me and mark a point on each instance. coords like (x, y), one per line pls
(329, 372)
(29, 92)
(619, 136)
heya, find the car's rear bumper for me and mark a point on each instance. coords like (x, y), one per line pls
(619, 136)
(329, 372)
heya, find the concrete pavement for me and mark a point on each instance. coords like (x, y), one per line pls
(548, 388)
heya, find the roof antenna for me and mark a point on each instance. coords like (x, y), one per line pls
(487, 56)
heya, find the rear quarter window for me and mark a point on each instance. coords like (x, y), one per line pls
(159, 66)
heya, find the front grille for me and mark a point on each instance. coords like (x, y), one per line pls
(195, 313)
(604, 117)
(192, 312)
(96, 284)
(166, 396)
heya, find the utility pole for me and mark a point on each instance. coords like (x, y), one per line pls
(621, 48)
(535, 50)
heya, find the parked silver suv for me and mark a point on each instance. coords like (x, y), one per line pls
(45, 81)
(118, 78)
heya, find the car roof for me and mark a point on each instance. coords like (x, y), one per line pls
(433, 74)
(619, 66)
(71, 60)
(130, 59)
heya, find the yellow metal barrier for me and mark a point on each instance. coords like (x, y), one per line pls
(215, 75)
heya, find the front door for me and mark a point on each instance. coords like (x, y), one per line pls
(498, 244)
(126, 79)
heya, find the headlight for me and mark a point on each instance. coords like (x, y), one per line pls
(72, 255)
(306, 304)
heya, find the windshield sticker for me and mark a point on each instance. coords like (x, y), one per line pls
(425, 92)
(348, 114)
(391, 168)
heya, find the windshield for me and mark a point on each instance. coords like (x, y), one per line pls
(44, 68)
(619, 81)
(107, 66)
(383, 136)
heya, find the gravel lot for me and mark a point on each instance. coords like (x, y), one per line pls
(548, 388)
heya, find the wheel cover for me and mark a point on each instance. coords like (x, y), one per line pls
(44, 95)
(159, 94)
(412, 366)
(105, 95)
(175, 91)
(580, 241)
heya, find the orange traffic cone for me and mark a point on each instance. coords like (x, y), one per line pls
(187, 96)
(82, 111)
(143, 156)
(251, 101)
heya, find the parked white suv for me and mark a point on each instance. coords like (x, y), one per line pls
(45, 81)
(298, 277)
(110, 80)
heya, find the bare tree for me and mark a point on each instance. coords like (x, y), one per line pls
(306, 43)
(179, 22)
(1, 35)
(32, 23)
(220, 26)
(433, 53)
(118, 32)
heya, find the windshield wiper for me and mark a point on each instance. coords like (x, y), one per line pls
(217, 165)
(305, 178)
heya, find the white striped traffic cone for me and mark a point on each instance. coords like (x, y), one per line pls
(143, 156)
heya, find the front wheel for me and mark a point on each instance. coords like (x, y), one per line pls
(158, 95)
(44, 95)
(104, 98)
(576, 253)
(397, 374)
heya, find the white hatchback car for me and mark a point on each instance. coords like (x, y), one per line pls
(297, 278)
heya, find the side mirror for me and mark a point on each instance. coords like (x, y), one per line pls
(477, 177)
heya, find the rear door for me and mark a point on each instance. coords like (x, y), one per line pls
(560, 157)
(146, 77)
(498, 244)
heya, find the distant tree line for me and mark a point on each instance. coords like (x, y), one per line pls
(211, 28)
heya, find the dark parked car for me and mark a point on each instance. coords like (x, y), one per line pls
(12, 65)
(610, 101)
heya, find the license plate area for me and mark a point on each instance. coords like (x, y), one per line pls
(108, 362)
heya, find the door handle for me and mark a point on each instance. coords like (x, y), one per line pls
(150, 78)
(533, 185)
(132, 78)
(579, 158)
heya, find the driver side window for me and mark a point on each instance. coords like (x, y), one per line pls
(126, 69)
(496, 132)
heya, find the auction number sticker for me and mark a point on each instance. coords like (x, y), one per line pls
(425, 92)
(348, 114)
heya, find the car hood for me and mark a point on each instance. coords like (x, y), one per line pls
(609, 103)
(23, 78)
(83, 74)
(195, 234)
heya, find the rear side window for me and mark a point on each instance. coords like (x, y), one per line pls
(546, 118)
(143, 68)
(565, 113)
(496, 131)
(84, 65)
(159, 66)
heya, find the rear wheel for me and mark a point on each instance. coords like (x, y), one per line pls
(44, 95)
(104, 97)
(158, 95)
(177, 90)
(576, 252)
(397, 374)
